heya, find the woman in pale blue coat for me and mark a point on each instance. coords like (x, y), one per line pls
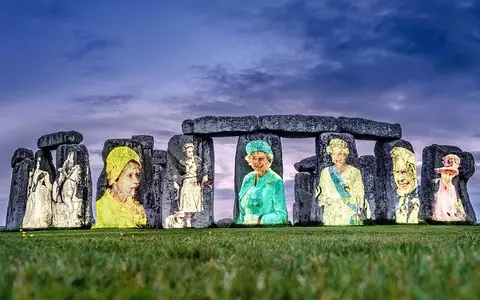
(262, 195)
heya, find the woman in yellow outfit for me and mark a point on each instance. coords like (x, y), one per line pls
(118, 207)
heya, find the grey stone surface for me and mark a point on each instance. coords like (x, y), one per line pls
(224, 223)
(220, 126)
(155, 213)
(304, 198)
(321, 143)
(432, 158)
(308, 164)
(38, 210)
(159, 157)
(72, 189)
(20, 154)
(18, 194)
(241, 165)
(368, 166)
(364, 129)
(147, 141)
(297, 126)
(53, 140)
(386, 191)
(176, 170)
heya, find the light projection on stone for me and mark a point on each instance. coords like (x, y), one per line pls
(118, 207)
(407, 208)
(447, 205)
(262, 194)
(341, 191)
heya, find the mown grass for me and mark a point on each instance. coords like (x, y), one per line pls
(373, 262)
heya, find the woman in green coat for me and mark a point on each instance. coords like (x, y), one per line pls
(262, 195)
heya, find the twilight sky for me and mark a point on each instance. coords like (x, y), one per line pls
(111, 69)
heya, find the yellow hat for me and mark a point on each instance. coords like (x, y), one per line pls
(117, 159)
(400, 154)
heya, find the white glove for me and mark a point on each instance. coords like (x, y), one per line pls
(251, 219)
(176, 185)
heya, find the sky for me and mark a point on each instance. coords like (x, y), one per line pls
(113, 69)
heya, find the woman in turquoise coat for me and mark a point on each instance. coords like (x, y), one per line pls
(262, 195)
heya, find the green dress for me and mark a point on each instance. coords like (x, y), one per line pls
(264, 198)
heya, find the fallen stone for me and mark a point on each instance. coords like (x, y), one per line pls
(242, 168)
(308, 164)
(159, 157)
(304, 198)
(21, 154)
(18, 194)
(458, 209)
(220, 126)
(72, 188)
(53, 140)
(224, 223)
(364, 129)
(295, 126)
(177, 171)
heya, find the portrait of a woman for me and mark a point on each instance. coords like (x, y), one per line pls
(262, 194)
(118, 207)
(341, 191)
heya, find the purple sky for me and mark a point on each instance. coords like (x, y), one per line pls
(112, 69)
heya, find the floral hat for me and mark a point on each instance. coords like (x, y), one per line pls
(451, 163)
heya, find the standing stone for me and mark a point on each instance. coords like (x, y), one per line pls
(368, 166)
(150, 203)
(38, 211)
(19, 190)
(445, 199)
(188, 174)
(322, 141)
(304, 192)
(20, 154)
(308, 164)
(157, 192)
(396, 188)
(53, 140)
(242, 168)
(72, 189)
(160, 158)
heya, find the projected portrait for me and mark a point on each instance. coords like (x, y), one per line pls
(262, 194)
(118, 208)
(447, 205)
(192, 181)
(341, 191)
(407, 207)
(38, 211)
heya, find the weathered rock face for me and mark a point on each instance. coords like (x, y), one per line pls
(445, 173)
(242, 167)
(53, 140)
(397, 189)
(368, 166)
(20, 154)
(220, 126)
(295, 126)
(308, 164)
(322, 141)
(304, 198)
(364, 129)
(38, 211)
(72, 188)
(188, 187)
(151, 204)
(19, 193)
(159, 157)
(157, 194)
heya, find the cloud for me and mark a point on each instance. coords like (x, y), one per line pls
(88, 44)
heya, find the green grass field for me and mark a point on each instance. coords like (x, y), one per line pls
(371, 262)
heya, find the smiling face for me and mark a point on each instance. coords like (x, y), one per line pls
(259, 162)
(128, 182)
(339, 158)
(404, 178)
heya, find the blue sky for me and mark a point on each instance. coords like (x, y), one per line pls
(111, 69)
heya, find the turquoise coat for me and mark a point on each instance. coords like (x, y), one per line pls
(266, 199)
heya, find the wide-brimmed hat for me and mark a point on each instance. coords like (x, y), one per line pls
(258, 146)
(451, 163)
